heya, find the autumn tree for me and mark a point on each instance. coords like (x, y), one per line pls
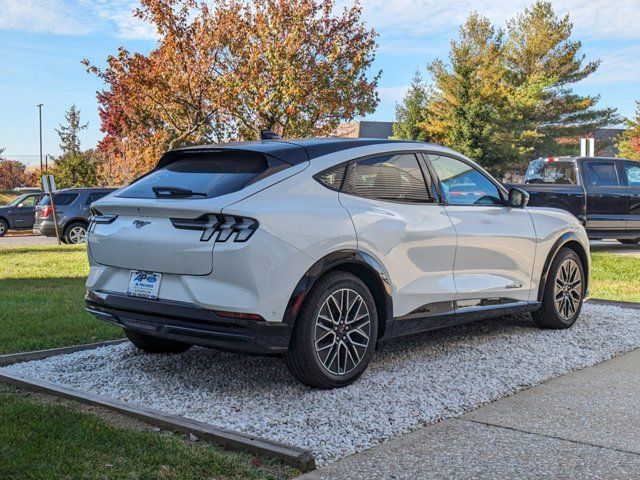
(227, 71)
(506, 96)
(629, 143)
(15, 174)
(75, 167)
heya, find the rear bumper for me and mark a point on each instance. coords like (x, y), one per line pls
(189, 323)
(46, 229)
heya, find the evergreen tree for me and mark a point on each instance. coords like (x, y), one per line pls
(505, 96)
(466, 107)
(412, 112)
(543, 63)
(74, 168)
(69, 139)
(629, 143)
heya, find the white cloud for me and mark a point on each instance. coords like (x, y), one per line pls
(618, 65)
(51, 16)
(594, 19)
(392, 94)
(75, 17)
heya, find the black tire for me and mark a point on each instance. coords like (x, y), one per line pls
(561, 308)
(70, 236)
(629, 241)
(4, 227)
(152, 344)
(304, 362)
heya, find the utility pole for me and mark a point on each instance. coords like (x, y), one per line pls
(40, 122)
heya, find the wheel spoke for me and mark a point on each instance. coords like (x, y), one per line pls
(343, 330)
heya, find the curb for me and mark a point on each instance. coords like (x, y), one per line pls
(40, 354)
(229, 439)
(614, 303)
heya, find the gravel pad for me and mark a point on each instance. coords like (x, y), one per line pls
(411, 382)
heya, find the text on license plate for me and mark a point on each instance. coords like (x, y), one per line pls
(144, 284)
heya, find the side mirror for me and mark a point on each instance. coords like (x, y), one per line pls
(21, 205)
(518, 198)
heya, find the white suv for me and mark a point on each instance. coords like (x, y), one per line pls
(323, 249)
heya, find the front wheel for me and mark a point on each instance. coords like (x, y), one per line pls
(629, 241)
(563, 292)
(152, 344)
(335, 333)
(4, 227)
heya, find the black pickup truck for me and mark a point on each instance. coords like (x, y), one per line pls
(604, 193)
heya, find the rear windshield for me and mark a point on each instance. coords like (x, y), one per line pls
(60, 199)
(204, 176)
(541, 171)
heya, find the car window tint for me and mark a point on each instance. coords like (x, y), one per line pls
(60, 199)
(632, 172)
(95, 196)
(464, 185)
(389, 177)
(332, 177)
(540, 171)
(601, 174)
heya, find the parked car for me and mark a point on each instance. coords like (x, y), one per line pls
(320, 250)
(19, 214)
(604, 193)
(72, 213)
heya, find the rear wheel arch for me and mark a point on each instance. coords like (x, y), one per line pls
(567, 240)
(358, 263)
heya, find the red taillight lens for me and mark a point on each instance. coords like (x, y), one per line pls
(46, 211)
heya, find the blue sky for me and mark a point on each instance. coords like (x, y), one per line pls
(43, 41)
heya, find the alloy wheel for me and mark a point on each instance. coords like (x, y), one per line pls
(342, 331)
(1, 228)
(77, 235)
(568, 289)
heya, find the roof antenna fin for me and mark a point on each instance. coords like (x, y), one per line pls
(266, 134)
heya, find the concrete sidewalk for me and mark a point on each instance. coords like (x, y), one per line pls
(585, 424)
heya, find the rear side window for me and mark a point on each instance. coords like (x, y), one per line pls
(95, 196)
(632, 172)
(560, 173)
(601, 174)
(332, 177)
(203, 175)
(389, 177)
(60, 199)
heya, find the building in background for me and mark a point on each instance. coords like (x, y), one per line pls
(365, 129)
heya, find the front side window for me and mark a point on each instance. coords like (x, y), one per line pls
(94, 197)
(29, 201)
(632, 172)
(390, 177)
(464, 185)
(601, 174)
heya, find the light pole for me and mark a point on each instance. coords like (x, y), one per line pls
(40, 122)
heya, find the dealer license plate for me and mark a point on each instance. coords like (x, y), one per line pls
(144, 284)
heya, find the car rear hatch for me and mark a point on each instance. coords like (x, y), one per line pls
(170, 220)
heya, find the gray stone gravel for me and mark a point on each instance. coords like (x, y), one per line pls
(410, 383)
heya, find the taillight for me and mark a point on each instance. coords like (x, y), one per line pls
(46, 211)
(225, 226)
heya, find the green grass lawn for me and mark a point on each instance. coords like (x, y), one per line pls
(42, 299)
(45, 440)
(42, 306)
(615, 277)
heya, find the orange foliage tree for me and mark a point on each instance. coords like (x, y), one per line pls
(225, 72)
